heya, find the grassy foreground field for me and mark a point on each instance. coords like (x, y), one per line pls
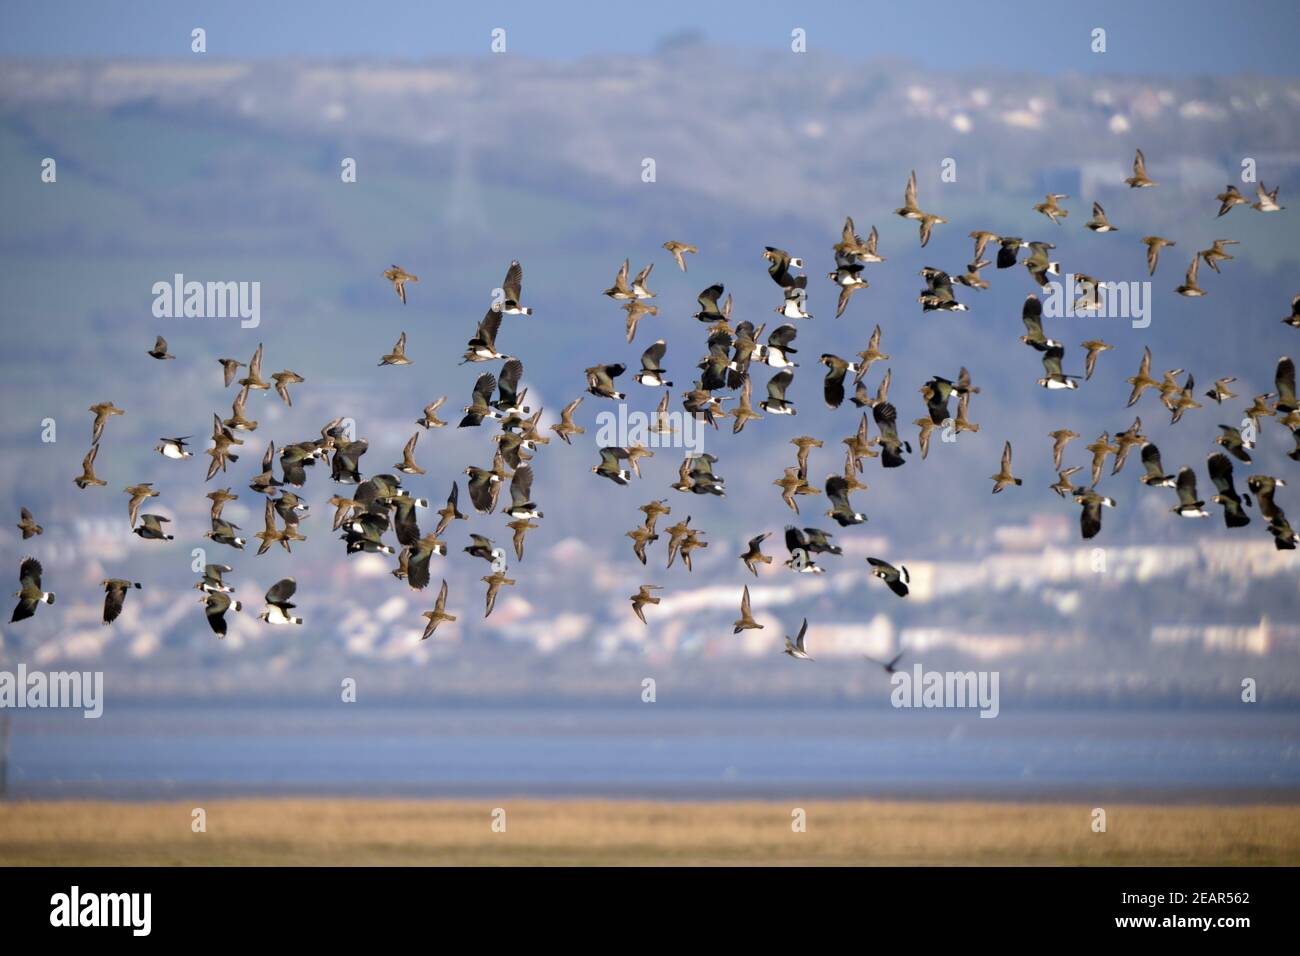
(609, 832)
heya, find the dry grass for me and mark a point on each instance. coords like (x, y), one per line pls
(608, 832)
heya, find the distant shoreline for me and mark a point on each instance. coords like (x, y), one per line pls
(620, 833)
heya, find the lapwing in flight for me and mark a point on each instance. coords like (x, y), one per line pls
(29, 593)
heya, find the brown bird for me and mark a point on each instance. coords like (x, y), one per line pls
(282, 382)
(870, 354)
(27, 525)
(753, 555)
(1259, 408)
(1100, 449)
(103, 411)
(139, 495)
(450, 511)
(635, 452)
(744, 411)
(566, 426)
(1049, 208)
(270, 533)
(790, 484)
(636, 310)
(1004, 477)
(679, 251)
(690, 542)
(961, 422)
(1063, 486)
(439, 612)
(1060, 438)
(520, 527)
(237, 419)
(398, 355)
(219, 497)
(746, 620)
(1189, 287)
(641, 536)
(652, 510)
(1142, 380)
(1216, 253)
(1126, 440)
(644, 597)
(676, 534)
(1230, 197)
(1184, 400)
(1095, 347)
(407, 465)
(805, 444)
(87, 476)
(229, 369)
(159, 350)
(1267, 200)
(1154, 244)
(430, 417)
(254, 378)
(399, 277)
(1139, 179)
(927, 425)
(494, 581)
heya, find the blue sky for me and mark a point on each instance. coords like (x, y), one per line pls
(1161, 37)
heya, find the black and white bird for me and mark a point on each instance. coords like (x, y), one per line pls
(29, 592)
(898, 578)
(278, 608)
(1189, 505)
(215, 605)
(652, 370)
(521, 489)
(151, 528)
(511, 289)
(776, 403)
(600, 381)
(837, 490)
(115, 591)
(1154, 475)
(1090, 517)
(1234, 514)
(173, 448)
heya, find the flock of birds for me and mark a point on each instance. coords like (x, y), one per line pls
(379, 504)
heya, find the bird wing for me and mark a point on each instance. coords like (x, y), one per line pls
(281, 591)
(1032, 316)
(1220, 469)
(484, 386)
(1284, 381)
(508, 383)
(521, 485)
(1151, 460)
(514, 282)
(653, 356)
(777, 385)
(29, 573)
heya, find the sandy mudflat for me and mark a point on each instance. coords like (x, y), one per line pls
(611, 832)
